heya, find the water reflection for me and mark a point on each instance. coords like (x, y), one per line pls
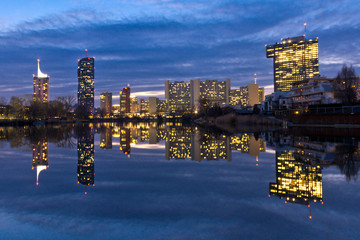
(86, 158)
(299, 159)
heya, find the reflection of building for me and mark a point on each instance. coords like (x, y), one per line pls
(40, 86)
(106, 103)
(85, 167)
(105, 137)
(295, 59)
(86, 78)
(210, 147)
(178, 144)
(247, 143)
(182, 144)
(40, 159)
(125, 140)
(296, 182)
(125, 100)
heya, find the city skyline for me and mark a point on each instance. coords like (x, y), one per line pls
(144, 52)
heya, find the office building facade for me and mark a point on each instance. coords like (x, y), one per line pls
(294, 59)
(106, 103)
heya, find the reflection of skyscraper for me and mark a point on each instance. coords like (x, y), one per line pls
(85, 166)
(40, 159)
(297, 182)
(178, 144)
(40, 86)
(247, 143)
(295, 59)
(210, 147)
(125, 140)
(105, 137)
(86, 78)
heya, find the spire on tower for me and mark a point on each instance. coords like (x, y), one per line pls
(305, 30)
(85, 52)
(255, 77)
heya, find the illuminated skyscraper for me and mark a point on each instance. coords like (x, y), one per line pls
(40, 159)
(213, 91)
(178, 96)
(125, 100)
(296, 181)
(86, 77)
(86, 159)
(295, 59)
(106, 102)
(40, 86)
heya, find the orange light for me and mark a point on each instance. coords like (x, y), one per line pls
(37, 183)
(310, 217)
(85, 192)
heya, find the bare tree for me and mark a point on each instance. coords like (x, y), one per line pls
(346, 85)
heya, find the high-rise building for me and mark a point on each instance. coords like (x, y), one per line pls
(105, 136)
(144, 106)
(106, 102)
(125, 100)
(247, 96)
(86, 70)
(295, 59)
(178, 96)
(213, 91)
(134, 105)
(40, 86)
(185, 96)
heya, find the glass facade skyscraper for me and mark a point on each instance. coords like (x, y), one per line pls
(86, 79)
(295, 59)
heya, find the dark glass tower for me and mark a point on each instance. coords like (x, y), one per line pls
(86, 78)
(86, 159)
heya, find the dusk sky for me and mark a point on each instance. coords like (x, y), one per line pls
(145, 42)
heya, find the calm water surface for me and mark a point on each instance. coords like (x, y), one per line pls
(146, 182)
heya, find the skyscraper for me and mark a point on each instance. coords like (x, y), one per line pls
(40, 159)
(86, 78)
(86, 159)
(125, 100)
(40, 86)
(106, 102)
(295, 59)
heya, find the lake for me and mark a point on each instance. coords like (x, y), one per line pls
(143, 181)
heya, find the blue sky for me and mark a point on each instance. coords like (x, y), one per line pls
(146, 42)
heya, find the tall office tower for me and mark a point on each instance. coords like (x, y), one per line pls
(213, 91)
(125, 100)
(86, 159)
(297, 182)
(295, 59)
(40, 159)
(106, 102)
(86, 70)
(40, 86)
(178, 96)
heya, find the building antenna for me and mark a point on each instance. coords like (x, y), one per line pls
(305, 30)
(85, 52)
(255, 78)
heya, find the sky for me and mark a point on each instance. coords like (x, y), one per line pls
(145, 42)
